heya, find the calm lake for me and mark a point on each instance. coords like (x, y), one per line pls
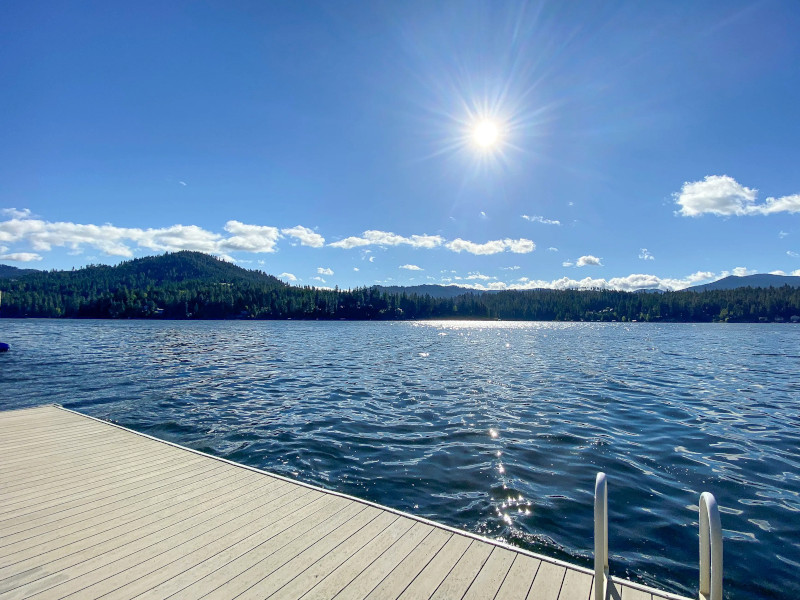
(494, 427)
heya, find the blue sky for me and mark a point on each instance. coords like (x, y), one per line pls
(639, 144)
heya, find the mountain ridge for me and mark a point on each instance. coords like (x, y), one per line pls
(758, 280)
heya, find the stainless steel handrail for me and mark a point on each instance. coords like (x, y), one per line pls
(710, 544)
(600, 536)
(710, 548)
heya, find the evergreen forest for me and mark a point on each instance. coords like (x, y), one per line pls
(191, 285)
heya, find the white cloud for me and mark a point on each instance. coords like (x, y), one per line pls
(287, 276)
(552, 249)
(481, 276)
(43, 236)
(514, 268)
(320, 279)
(722, 195)
(588, 261)
(633, 282)
(718, 195)
(796, 273)
(778, 272)
(356, 269)
(21, 256)
(542, 220)
(459, 245)
(371, 259)
(792, 253)
(245, 238)
(324, 271)
(306, 236)
(410, 267)
(387, 238)
(742, 271)
(645, 255)
(183, 183)
(384, 238)
(15, 213)
(782, 234)
(520, 246)
(567, 263)
(483, 215)
(790, 204)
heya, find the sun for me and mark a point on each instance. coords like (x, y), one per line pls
(486, 134)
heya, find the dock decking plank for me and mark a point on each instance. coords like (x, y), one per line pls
(404, 573)
(127, 517)
(268, 568)
(323, 561)
(82, 574)
(437, 569)
(491, 576)
(344, 574)
(144, 570)
(547, 583)
(375, 572)
(576, 585)
(464, 572)
(91, 510)
(519, 578)
(630, 593)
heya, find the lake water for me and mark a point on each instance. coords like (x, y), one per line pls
(494, 427)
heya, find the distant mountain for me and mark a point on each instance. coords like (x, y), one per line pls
(434, 291)
(175, 267)
(761, 280)
(9, 272)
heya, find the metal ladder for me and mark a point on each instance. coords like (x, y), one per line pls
(710, 544)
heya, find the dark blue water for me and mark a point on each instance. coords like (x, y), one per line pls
(498, 428)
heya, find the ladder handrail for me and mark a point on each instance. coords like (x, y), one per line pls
(600, 536)
(710, 543)
(710, 548)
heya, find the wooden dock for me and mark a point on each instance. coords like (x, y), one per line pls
(91, 509)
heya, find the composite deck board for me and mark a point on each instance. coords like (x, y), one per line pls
(629, 593)
(88, 509)
(32, 481)
(519, 578)
(489, 579)
(124, 517)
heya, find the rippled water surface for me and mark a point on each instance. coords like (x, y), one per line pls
(498, 428)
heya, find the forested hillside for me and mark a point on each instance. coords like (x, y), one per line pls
(7, 271)
(190, 285)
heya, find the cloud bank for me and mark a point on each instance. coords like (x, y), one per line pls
(520, 246)
(43, 236)
(629, 283)
(385, 238)
(725, 197)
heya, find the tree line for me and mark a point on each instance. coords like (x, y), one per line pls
(189, 285)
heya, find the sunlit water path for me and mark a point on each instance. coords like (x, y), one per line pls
(497, 428)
